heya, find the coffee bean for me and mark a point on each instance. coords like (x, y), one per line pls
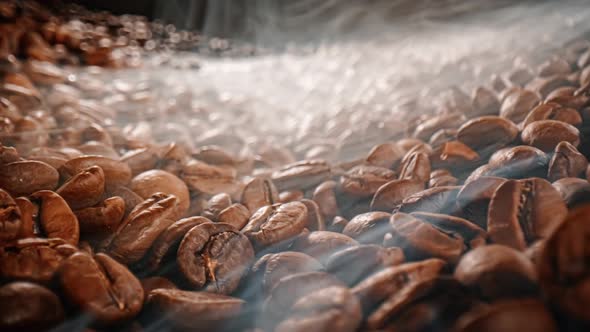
(497, 271)
(315, 219)
(116, 295)
(552, 111)
(484, 102)
(84, 189)
(10, 218)
(116, 172)
(236, 215)
(190, 310)
(566, 162)
(364, 180)
(438, 199)
(573, 191)
(301, 175)
(26, 306)
(389, 195)
(415, 167)
(517, 104)
(215, 205)
(325, 197)
(27, 177)
(101, 220)
(330, 309)
(273, 224)
(152, 181)
(443, 121)
(547, 134)
(321, 244)
(149, 218)
(56, 219)
(474, 199)
(27, 210)
(368, 228)
(208, 179)
(258, 193)
(487, 133)
(384, 155)
(151, 283)
(518, 162)
(523, 211)
(473, 235)
(214, 257)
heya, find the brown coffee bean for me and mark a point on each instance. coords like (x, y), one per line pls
(214, 257)
(442, 179)
(338, 224)
(520, 76)
(545, 85)
(301, 175)
(518, 162)
(27, 177)
(290, 196)
(102, 219)
(442, 136)
(330, 309)
(523, 211)
(101, 286)
(56, 219)
(98, 149)
(438, 199)
(566, 162)
(453, 154)
(368, 228)
(10, 218)
(129, 196)
(365, 180)
(321, 244)
(509, 316)
(573, 191)
(496, 272)
(416, 166)
(474, 198)
(216, 204)
(546, 134)
(365, 258)
(258, 193)
(315, 219)
(555, 66)
(84, 189)
(273, 224)
(379, 286)
(484, 102)
(200, 310)
(385, 155)
(552, 111)
(26, 306)
(208, 179)
(487, 133)
(140, 160)
(444, 121)
(325, 197)
(152, 181)
(151, 283)
(116, 172)
(563, 264)
(389, 195)
(517, 104)
(289, 290)
(422, 240)
(236, 215)
(33, 259)
(150, 219)
(27, 210)
(473, 235)
(271, 268)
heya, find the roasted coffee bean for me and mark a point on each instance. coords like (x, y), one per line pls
(365, 259)
(10, 218)
(487, 133)
(562, 265)
(385, 155)
(444, 121)
(236, 215)
(153, 181)
(496, 271)
(140, 160)
(301, 175)
(129, 196)
(415, 167)
(566, 162)
(289, 290)
(330, 309)
(438, 179)
(27, 177)
(368, 228)
(273, 224)
(422, 240)
(473, 235)
(84, 189)
(544, 85)
(321, 244)
(116, 173)
(27, 210)
(215, 205)
(453, 154)
(518, 162)
(338, 224)
(376, 288)
(510, 316)
(271, 268)
(208, 179)
(151, 283)
(26, 306)
(258, 193)
(523, 211)
(442, 136)
(521, 75)
(552, 111)
(517, 104)
(438, 200)
(474, 198)
(150, 219)
(166, 245)
(214, 257)
(290, 196)
(33, 259)
(391, 194)
(365, 180)
(100, 286)
(484, 102)
(325, 197)
(195, 310)
(547, 134)
(573, 191)
(56, 219)
(102, 219)
(315, 220)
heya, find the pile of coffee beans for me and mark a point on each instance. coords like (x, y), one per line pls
(469, 218)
